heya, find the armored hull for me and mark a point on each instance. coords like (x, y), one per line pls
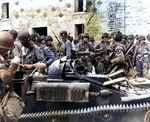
(80, 97)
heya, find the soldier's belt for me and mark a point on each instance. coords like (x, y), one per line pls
(62, 92)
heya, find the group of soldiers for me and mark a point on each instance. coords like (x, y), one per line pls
(30, 51)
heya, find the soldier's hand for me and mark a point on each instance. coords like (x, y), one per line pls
(16, 60)
(27, 66)
(40, 66)
(1, 57)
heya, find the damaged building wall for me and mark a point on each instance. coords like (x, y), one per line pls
(97, 16)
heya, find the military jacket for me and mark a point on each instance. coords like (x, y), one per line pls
(34, 55)
(142, 51)
(85, 46)
(49, 55)
(102, 49)
(118, 51)
(64, 49)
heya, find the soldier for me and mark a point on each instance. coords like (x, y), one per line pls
(80, 38)
(141, 55)
(33, 55)
(130, 37)
(116, 57)
(64, 49)
(49, 51)
(101, 50)
(84, 51)
(11, 105)
(34, 39)
(91, 39)
(42, 42)
(125, 41)
(17, 50)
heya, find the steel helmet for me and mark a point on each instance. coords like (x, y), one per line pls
(13, 33)
(6, 41)
(23, 36)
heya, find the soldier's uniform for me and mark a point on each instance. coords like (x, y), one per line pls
(141, 55)
(64, 48)
(101, 50)
(118, 51)
(117, 55)
(49, 51)
(85, 53)
(13, 107)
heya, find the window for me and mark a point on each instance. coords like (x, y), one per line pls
(80, 5)
(5, 11)
(40, 31)
(79, 28)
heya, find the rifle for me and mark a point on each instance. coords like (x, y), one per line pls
(56, 38)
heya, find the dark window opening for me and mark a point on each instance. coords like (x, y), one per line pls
(40, 31)
(5, 11)
(79, 29)
(80, 5)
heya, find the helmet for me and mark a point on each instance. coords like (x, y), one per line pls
(6, 40)
(80, 36)
(105, 35)
(91, 39)
(55, 70)
(63, 33)
(48, 38)
(42, 37)
(130, 36)
(23, 36)
(141, 37)
(85, 35)
(34, 37)
(124, 37)
(118, 36)
(13, 33)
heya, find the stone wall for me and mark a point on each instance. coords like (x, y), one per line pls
(128, 16)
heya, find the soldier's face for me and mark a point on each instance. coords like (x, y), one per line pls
(3, 51)
(31, 44)
(63, 37)
(85, 39)
(105, 39)
(43, 42)
(49, 43)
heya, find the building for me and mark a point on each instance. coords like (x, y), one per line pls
(75, 16)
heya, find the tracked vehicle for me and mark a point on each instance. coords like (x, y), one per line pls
(69, 94)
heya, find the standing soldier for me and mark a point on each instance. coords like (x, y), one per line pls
(101, 50)
(141, 55)
(117, 56)
(49, 51)
(64, 49)
(84, 51)
(11, 105)
(31, 55)
(17, 50)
